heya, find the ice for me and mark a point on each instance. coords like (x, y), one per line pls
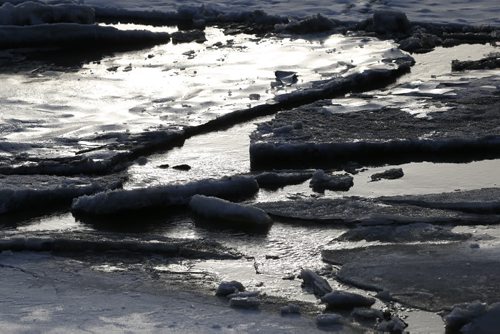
(272, 180)
(387, 135)
(485, 324)
(419, 232)
(427, 275)
(367, 212)
(314, 283)
(77, 36)
(321, 181)
(226, 288)
(483, 201)
(218, 210)
(163, 197)
(463, 314)
(390, 174)
(346, 300)
(147, 91)
(39, 192)
(100, 243)
(89, 300)
(32, 13)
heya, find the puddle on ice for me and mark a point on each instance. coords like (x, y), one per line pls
(438, 62)
(419, 178)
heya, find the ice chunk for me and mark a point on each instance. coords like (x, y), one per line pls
(84, 242)
(197, 36)
(226, 288)
(390, 174)
(482, 201)
(462, 314)
(346, 300)
(19, 192)
(216, 209)
(321, 181)
(489, 323)
(427, 276)
(271, 180)
(286, 78)
(368, 212)
(121, 201)
(489, 62)
(315, 283)
(405, 233)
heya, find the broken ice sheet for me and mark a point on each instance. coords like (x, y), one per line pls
(161, 85)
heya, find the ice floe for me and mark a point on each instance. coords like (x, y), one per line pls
(346, 300)
(484, 201)
(361, 211)
(441, 275)
(419, 232)
(163, 197)
(40, 192)
(389, 134)
(86, 242)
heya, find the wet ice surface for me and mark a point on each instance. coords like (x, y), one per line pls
(49, 293)
(134, 92)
